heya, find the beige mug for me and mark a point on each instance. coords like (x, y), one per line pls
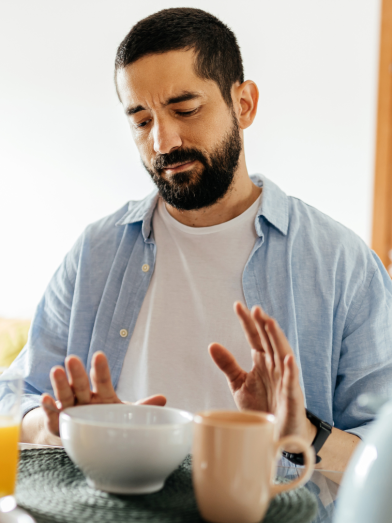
(234, 464)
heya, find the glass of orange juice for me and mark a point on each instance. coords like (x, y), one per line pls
(11, 388)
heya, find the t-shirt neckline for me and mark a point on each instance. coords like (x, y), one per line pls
(172, 222)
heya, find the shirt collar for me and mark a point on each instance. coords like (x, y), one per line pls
(274, 205)
(274, 208)
(141, 211)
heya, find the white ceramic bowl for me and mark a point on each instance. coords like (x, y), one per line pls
(126, 449)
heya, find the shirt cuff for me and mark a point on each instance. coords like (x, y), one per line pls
(361, 431)
(29, 402)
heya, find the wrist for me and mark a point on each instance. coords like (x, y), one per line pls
(316, 438)
(33, 429)
(308, 434)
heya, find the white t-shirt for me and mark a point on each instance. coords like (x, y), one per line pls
(188, 305)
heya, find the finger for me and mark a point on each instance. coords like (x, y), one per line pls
(100, 377)
(52, 414)
(158, 400)
(78, 380)
(260, 317)
(248, 325)
(277, 339)
(290, 378)
(227, 364)
(61, 387)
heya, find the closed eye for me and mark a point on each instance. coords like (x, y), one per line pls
(181, 113)
(187, 113)
(143, 124)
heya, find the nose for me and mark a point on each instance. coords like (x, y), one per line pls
(166, 137)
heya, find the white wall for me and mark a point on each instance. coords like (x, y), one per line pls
(66, 154)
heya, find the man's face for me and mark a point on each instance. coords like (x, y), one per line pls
(188, 138)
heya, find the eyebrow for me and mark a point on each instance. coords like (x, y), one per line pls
(183, 97)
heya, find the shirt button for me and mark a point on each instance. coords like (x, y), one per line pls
(145, 267)
(123, 333)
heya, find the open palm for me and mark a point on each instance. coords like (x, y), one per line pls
(272, 385)
(71, 387)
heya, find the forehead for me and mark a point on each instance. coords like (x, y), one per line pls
(155, 78)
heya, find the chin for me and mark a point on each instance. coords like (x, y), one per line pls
(185, 178)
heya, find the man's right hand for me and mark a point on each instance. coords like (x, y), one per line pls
(72, 387)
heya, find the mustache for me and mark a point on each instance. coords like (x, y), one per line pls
(163, 161)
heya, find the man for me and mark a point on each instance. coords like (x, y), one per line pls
(144, 292)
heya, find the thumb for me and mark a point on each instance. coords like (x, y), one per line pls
(52, 414)
(290, 382)
(158, 400)
(227, 364)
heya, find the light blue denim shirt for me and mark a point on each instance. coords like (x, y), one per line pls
(326, 288)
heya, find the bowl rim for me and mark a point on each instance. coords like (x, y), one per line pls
(66, 415)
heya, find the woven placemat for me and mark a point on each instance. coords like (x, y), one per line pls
(52, 489)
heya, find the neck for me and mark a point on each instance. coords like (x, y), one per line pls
(241, 195)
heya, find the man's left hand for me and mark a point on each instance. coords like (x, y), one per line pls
(273, 383)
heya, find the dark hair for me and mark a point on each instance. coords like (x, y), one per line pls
(218, 55)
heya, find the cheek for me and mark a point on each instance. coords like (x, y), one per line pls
(145, 145)
(209, 131)
(199, 134)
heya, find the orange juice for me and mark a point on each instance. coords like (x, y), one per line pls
(9, 436)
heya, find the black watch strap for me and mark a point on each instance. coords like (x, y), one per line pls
(324, 429)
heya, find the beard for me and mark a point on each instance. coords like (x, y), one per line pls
(194, 189)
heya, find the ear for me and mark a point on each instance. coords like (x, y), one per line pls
(245, 100)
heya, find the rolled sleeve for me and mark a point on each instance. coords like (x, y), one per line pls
(48, 337)
(365, 364)
(361, 431)
(29, 402)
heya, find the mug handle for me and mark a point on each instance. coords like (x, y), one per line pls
(310, 458)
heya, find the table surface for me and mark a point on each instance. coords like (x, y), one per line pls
(324, 484)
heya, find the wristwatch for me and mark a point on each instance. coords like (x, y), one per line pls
(324, 429)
